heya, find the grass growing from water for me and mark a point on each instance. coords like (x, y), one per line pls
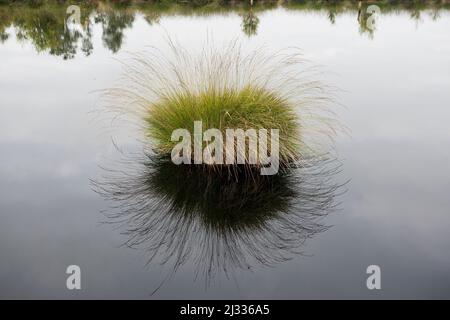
(227, 87)
(220, 221)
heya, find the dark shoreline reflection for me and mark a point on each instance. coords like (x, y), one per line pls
(45, 26)
(220, 223)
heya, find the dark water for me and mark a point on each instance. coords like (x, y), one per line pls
(395, 213)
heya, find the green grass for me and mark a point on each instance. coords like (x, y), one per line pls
(248, 108)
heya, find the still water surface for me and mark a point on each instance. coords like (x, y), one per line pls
(396, 212)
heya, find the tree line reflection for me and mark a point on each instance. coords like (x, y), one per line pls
(46, 26)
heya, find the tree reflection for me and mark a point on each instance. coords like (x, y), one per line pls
(48, 33)
(250, 23)
(3, 36)
(86, 44)
(114, 23)
(363, 22)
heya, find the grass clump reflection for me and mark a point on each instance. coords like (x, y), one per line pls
(179, 215)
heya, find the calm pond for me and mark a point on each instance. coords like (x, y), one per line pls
(391, 182)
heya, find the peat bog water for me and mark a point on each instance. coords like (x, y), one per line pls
(394, 87)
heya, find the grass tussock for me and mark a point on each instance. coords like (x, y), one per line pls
(227, 87)
(247, 108)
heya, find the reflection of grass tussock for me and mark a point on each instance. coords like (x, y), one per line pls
(179, 215)
(226, 88)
